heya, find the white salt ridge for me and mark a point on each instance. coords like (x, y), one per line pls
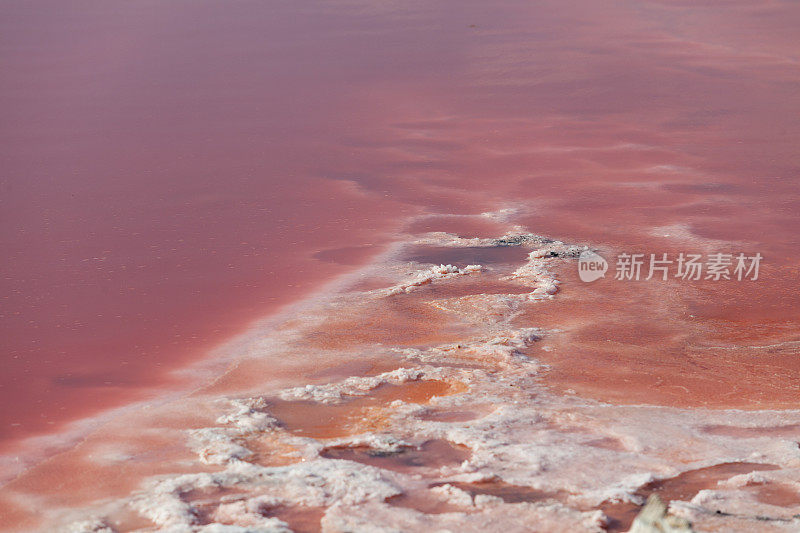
(745, 480)
(518, 237)
(216, 446)
(319, 483)
(219, 445)
(376, 442)
(502, 348)
(488, 514)
(448, 240)
(707, 505)
(709, 521)
(92, 525)
(358, 385)
(250, 514)
(441, 272)
(534, 272)
(249, 415)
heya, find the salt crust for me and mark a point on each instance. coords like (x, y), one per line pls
(441, 272)
(588, 451)
(360, 386)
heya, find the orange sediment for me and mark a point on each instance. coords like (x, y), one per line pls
(353, 415)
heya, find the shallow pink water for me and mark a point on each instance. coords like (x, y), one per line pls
(172, 171)
(159, 193)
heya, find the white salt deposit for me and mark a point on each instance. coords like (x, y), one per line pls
(563, 456)
(441, 272)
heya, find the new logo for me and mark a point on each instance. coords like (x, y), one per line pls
(591, 266)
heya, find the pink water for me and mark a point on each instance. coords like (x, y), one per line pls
(168, 175)
(171, 171)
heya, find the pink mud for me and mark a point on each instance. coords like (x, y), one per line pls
(173, 171)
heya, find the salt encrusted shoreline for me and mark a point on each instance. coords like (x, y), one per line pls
(441, 272)
(578, 453)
